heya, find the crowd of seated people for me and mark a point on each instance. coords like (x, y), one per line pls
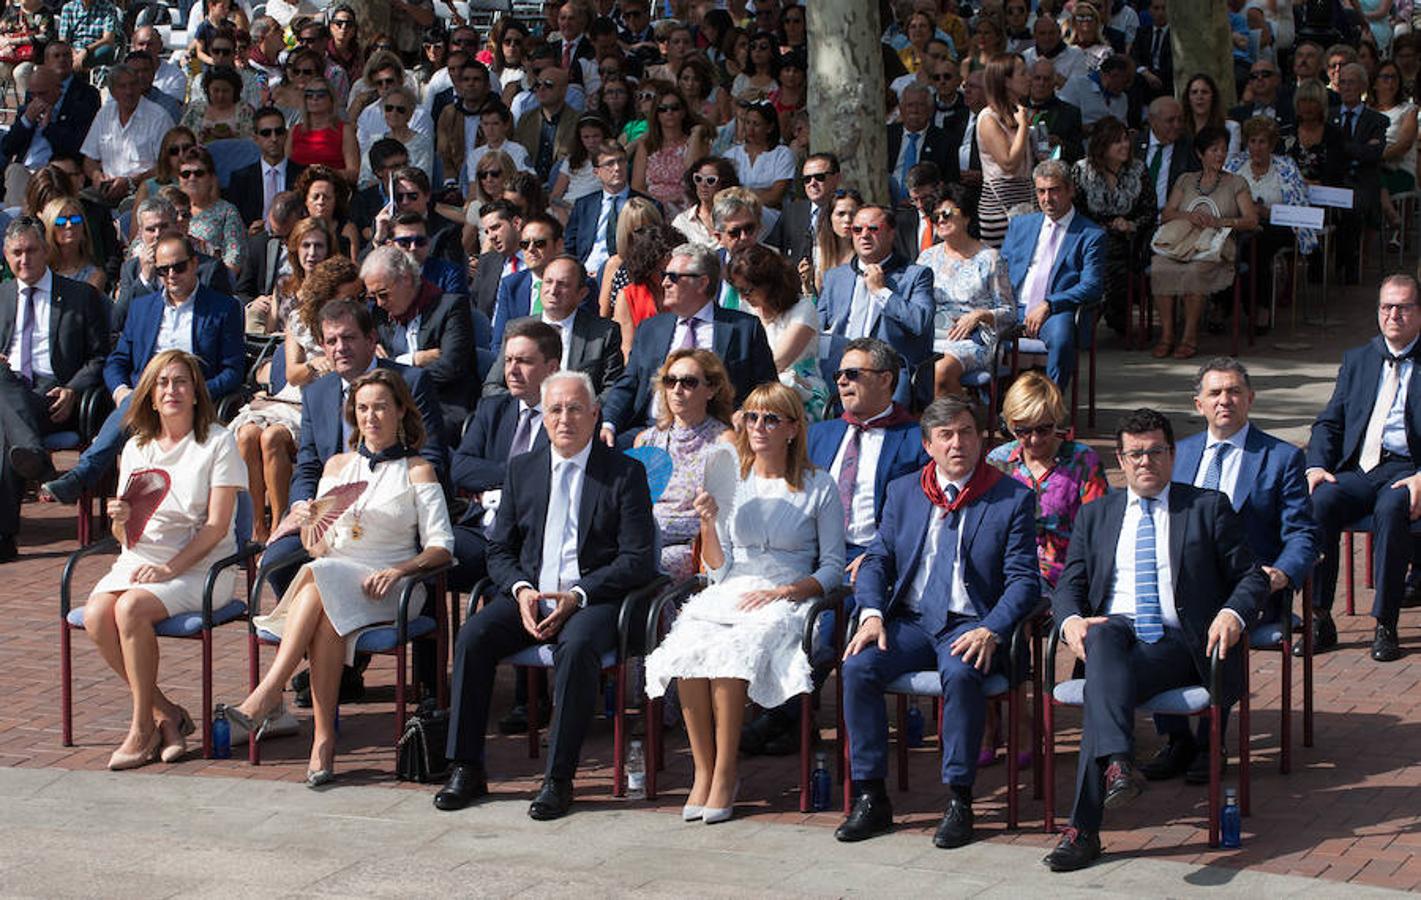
(480, 271)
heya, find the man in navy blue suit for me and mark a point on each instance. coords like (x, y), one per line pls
(949, 574)
(592, 227)
(874, 442)
(520, 293)
(1263, 478)
(691, 319)
(1056, 261)
(184, 315)
(1158, 577)
(1362, 459)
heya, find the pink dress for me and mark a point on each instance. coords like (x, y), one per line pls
(664, 169)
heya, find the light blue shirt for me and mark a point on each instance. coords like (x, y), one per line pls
(1228, 473)
(1394, 431)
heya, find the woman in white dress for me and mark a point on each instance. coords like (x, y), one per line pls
(768, 284)
(175, 430)
(360, 563)
(774, 543)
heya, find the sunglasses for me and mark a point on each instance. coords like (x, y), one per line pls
(761, 45)
(406, 196)
(816, 177)
(271, 132)
(670, 108)
(408, 241)
(223, 51)
(854, 374)
(671, 382)
(943, 77)
(385, 82)
(317, 93)
(1040, 431)
(675, 277)
(342, 23)
(1260, 76)
(546, 84)
(860, 229)
(943, 215)
(490, 173)
(192, 173)
(308, 39)
(512, 41)
(304, 72)
(175, 267)
(644, 96)
(740, 231)
(465, 42)
(62, 221)
(179, 149)
(711, 180)
(396, 108)
(768, 420)
(534, 243)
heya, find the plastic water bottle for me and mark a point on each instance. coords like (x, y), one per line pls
(915, 726)
(820, 784)
(221, 734)
(636, 772)
(1230, 821)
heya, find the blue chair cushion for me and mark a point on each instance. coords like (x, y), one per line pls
(183, 624)
(62, 440)
(541, 656)
(928, 684)
(1177, 701)
(377, 638)
(1268, 635)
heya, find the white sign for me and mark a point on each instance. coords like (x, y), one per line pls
(1297, 216)
(1322, 195)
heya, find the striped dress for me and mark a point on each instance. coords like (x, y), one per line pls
(1001, 190)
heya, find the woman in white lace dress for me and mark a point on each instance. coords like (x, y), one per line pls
(774, 543)
(360, 563)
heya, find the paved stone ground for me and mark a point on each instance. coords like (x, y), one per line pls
(1350, 812)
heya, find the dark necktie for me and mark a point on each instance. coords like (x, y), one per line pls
(936, 603)
(1149, 617)
(1214, 475)
(1348, 119)
(849, 471)
(27, 337)
(522, 435)
(1156, 159)
(1155, 47)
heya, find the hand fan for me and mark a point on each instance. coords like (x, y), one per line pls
(326, 509)
(658, 465)
(722, 476)
(144, 493)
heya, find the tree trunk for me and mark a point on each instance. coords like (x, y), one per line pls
(845, 102)
(1201, 41)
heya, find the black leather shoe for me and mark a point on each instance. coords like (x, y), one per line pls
(66, 488)
(8, 550)
(1198, 771)
(466, 784)
(1121, 785)
(1384, 645)
(1076, 850)
(553, 801)
(1171, 761)
(32, 463)
(1324, 632)
(1411, 597)
(955, 830)
(871, 816)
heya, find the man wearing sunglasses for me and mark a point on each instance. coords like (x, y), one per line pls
(51, 121)
(547, 130)
(121, 148)
(820, 175)
(253, 188)
(410, 232)
(539, 242)
(182, 315)
(138, 276)
(1158, 579)
(1266, 96)
(371, 106)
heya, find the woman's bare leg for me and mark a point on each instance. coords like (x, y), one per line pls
(728, 701)
(700, 728)
(278, 453)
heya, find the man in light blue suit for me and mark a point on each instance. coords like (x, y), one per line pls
(950, 573)
(879, 294)
(1264, 480)
(1056, 261)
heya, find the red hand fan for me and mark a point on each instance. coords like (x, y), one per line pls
(326, 509)
(144, 493)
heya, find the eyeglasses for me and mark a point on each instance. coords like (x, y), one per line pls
(943, 215)
(1084, 17)
(490, 173)
(62, 221)
(675, 277)
(176, 267)
(1396, 309)
(316, 93)
(1025, 431)
(309, 38)
(644, 96)
(816, 177)
(767, 420)
(546, 84)
(736, 232)
(670, 108)
(385, 82)
(709, 180)
(304, 72)
(465, 41)
(944, 77)
(854, 374)
(860, 229)
(1148, 455)
(342, 23)
(396, 108)
(191, 173)
(409, 241)
(179, 149)
(534, 243)
(671, 382)
(380, 296)
(512, 41)
(223, 51)
(761, 45)
(271, 132)
(406, 196)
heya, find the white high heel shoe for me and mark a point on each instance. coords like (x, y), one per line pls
(713, 815)
(691, 813)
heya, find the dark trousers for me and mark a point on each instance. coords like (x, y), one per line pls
(1356, 494)
(24, 420)
(1120, 673)
(495, 632)
(471, 552)
(911, 648)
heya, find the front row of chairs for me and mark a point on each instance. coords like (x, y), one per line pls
(645, 619)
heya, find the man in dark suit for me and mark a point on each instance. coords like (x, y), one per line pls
(138, 275)
(1363, 142)
(1062, 119)
(1153, 54)
(520, 293)
(54, 120)
(1157, 579)
(1361, 459)
(913, 227)
(573, 535)
(1263, 478)
(40, 391)
(1164, 148)
(420, 326)
(266, 250)
(949, 574)
(184, 315)
(500, 225)
(592, 226)
(590, 344)
(412, 194)
(1266, 97)
(1056, 261)
(820, 177)
(253, 188)
(914, 138)
(691, 319)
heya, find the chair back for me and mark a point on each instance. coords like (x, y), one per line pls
(244, 517)
(231, 154)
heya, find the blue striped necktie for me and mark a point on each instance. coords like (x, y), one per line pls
(1149, 619)
(1214, 475)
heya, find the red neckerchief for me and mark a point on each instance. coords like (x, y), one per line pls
(897, 415)
(984, 477)
(428, 294)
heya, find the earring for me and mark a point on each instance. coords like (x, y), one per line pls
(401, 433)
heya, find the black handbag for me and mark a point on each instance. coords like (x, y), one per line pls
(421, 747)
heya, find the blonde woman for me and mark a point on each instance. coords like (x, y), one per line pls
(69, 250)
(637, 213)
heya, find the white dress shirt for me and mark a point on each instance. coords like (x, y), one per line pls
(175, 330)
(411, 330)
(866, 307)
(1228, 474)
(564, 327)
(1122, 592)
(964, 150)
(514, 263)
(39, 350)
(566, 568)
(606, 221)
(862, 521)
(960, 603)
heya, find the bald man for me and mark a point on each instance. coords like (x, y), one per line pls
(1165, 149)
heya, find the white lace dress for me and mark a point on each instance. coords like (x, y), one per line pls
(771, 535)
(390, 522)
(284, 407)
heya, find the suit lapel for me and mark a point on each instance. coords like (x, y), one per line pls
(273, 254)
(972, 516)
(1191, 455)
(591, 490)
(722, 330)
(56, 312)
(1248, 466)
(1105, 547)
(1178, 531)
(577, 339)
(921, 512)
(1064, 251)
(892, 440)
(8, 314)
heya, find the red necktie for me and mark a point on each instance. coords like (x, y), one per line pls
(927, 236)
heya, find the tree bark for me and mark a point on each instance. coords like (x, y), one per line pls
(846, 99)
(1201, 41)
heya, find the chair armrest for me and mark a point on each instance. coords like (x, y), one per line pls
(209, 586)
(1216, 672)
(435, 574)
(231, 404)
(94, 407)
(678, 594)
(635, 611)
(264, 573)
(103, 545)
(834, 600)
(476, 593)
(1048, 673)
